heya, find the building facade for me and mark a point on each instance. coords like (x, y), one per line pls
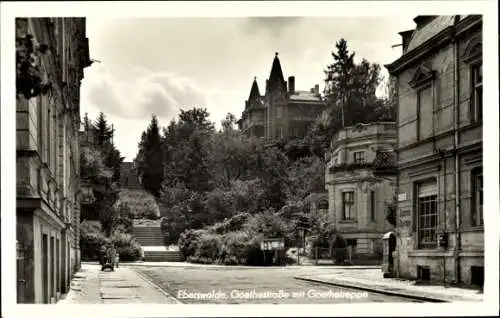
(357, 191)
(440, 234)
(282, 112)
(47, 163)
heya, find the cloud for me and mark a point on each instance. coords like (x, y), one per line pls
(271, 25)
(144, 94)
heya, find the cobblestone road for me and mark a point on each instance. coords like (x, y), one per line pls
(193, 285)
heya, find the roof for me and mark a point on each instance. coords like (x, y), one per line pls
(254, 92)
(305, 96)
(276, 76)
(429, 30)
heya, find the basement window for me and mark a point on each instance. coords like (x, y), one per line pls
(477, 276)
(423, 273)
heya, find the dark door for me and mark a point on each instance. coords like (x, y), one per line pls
(392, 248)
(52, 267)
(58, 266)
(45, 268)
(21, 278)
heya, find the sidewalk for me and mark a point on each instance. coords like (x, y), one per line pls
(372, 280)
(123, 286)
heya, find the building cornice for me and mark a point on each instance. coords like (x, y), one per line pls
(449, 34)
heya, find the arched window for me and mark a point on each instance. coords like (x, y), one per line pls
(473, 55)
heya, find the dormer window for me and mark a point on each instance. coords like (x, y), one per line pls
(473, 56)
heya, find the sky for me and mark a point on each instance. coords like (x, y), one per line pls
(161, 65)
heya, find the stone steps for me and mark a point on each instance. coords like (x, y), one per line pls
(148, 235)
(163, 256)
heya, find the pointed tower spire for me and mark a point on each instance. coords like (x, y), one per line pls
(254, 98)
(276, 77)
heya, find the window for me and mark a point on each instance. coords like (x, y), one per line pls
(323, 205)
(372, 205)
(477, 92)
(348, 205)
(359, 156)
(425, 113)
(427, 216)
(477, 197)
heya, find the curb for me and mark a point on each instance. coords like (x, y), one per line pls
(377, 290)
(167, 295)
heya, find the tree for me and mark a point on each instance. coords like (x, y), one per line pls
(104, 131)
(98, 177)
(350, 94)
(150, 158)
(228, 123)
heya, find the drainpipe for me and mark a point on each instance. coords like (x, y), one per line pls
(456, 92)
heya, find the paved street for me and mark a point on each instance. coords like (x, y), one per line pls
(193, 285)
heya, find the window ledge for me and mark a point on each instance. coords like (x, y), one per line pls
(430, 253)
(348, 221)
(479, 228)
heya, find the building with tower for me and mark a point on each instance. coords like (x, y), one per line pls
(283, 111)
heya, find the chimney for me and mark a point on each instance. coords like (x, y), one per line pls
(291, 84)
(406, 37)
(422, 20)
(316, 89)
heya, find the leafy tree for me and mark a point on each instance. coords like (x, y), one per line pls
(228, 123)
(98, 177)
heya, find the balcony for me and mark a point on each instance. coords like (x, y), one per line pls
(380, 130)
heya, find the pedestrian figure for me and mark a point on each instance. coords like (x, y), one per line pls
(117, 259)
(102, 254)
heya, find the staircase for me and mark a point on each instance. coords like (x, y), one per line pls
(162, 256)
(150, 238)
(148, 235)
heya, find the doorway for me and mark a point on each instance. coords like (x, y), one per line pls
(45, 268)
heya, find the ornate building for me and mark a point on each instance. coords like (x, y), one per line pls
(440, 235)
(283, 111)
(361, 179)
(47, 163)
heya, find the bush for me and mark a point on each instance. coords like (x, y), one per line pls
(124, 225)
(90, 244)
(188, 242)
(271, 225)
(126, 246)
(200, 260)
(209, 246)
(173, 225)
(234, 250)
